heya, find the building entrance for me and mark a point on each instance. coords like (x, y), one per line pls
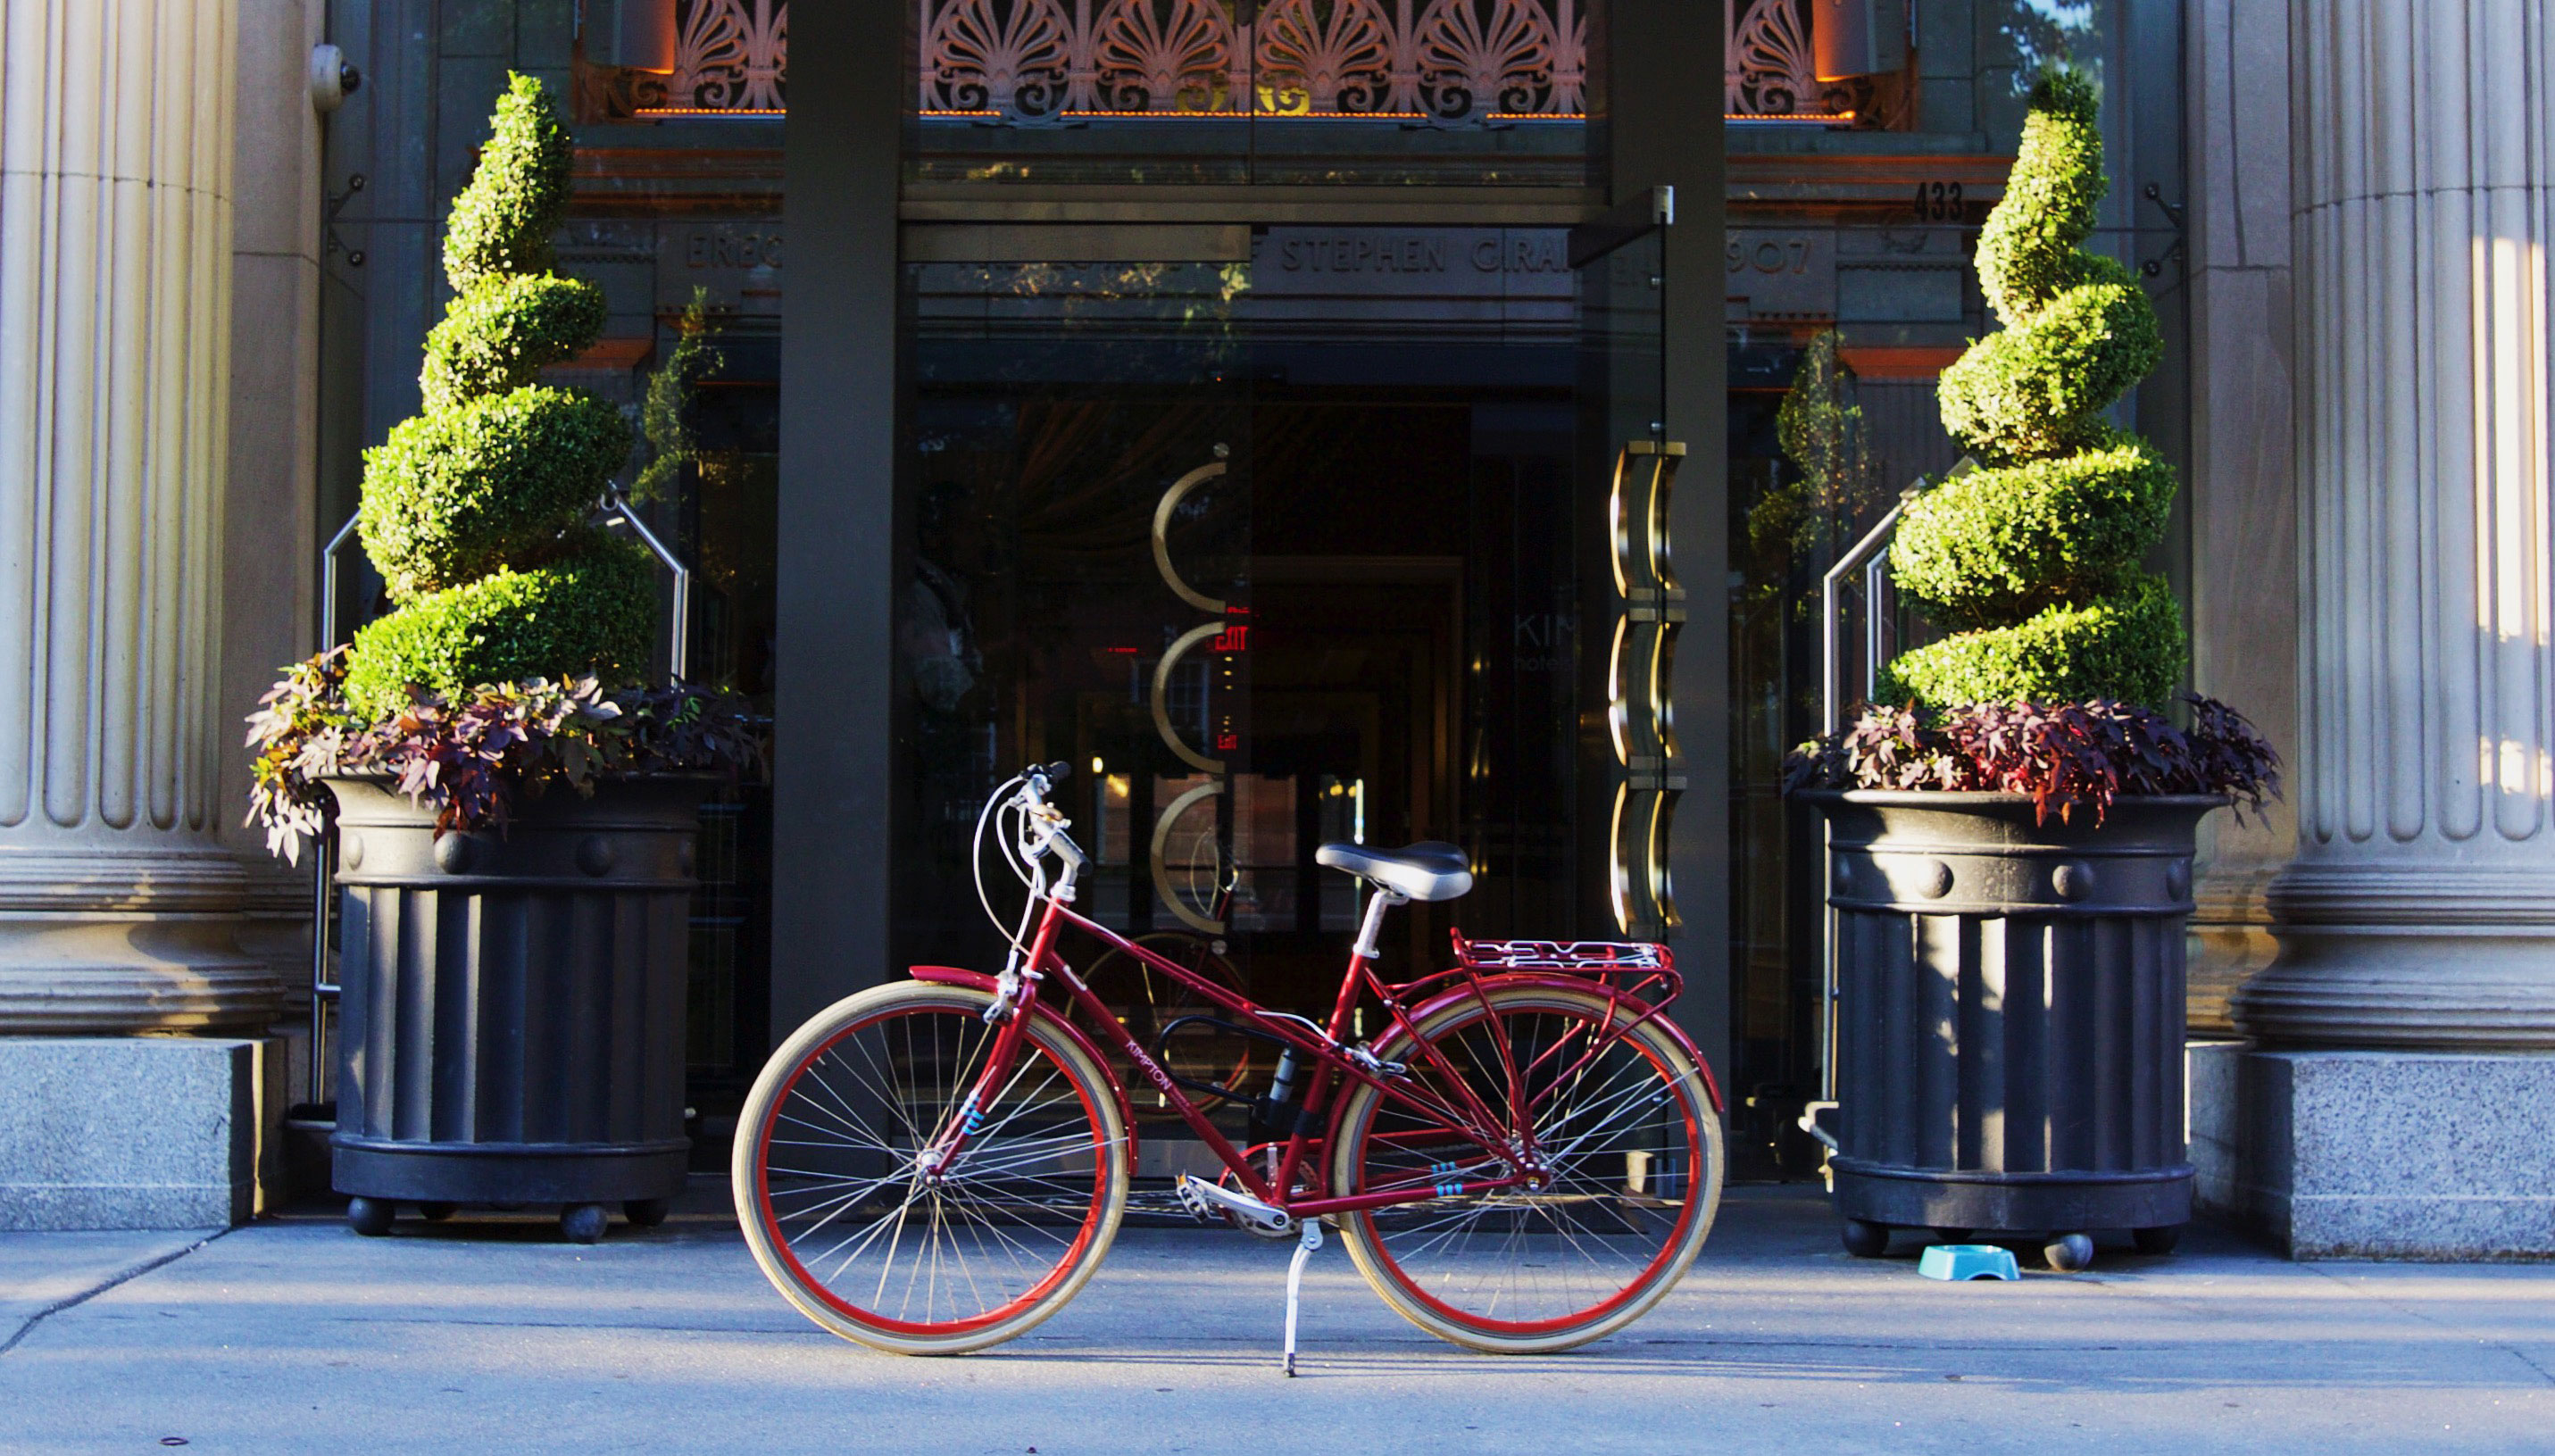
(1278, 547)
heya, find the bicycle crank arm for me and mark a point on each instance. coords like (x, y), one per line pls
(1206, 1200)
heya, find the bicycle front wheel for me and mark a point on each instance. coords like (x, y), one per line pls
(846, 1223)
(1631, 1149)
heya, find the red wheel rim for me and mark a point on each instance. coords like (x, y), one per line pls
(805, 1280)
(1631, 1288)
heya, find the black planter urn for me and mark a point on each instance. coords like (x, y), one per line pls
(2009, 1003)
(511, 1024)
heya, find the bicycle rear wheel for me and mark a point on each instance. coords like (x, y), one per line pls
(845, 1223)
(1633, 1154)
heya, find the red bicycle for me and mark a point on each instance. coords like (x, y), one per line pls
(1526, 1157)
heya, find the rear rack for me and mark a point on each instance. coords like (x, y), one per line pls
(1635, 969)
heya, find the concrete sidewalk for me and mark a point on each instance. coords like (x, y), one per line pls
(294, 1335)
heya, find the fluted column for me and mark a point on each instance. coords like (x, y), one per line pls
(116, 903)
(2420, 913)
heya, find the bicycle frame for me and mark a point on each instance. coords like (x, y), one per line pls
(1335, 1064)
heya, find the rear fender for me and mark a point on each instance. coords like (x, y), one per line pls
(1047, 1015)
(1463, 994)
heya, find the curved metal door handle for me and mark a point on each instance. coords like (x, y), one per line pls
(1161, 696)
(1161, 537)
(1161, 872)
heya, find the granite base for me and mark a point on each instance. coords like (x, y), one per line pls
(138, 1132)
(2377, 1155)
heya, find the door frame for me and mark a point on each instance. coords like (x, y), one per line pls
(835, 730)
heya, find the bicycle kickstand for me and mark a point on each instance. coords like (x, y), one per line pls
(1305, 1243)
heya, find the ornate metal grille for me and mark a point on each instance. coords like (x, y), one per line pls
(1030, 60)
(1035, 61)
(1765, 66)
(729, 55)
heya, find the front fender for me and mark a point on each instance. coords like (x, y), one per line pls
(979, 981)
(1460, 995)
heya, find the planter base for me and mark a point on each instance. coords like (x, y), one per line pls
(497, 1173)
(2009, 1014)
(512, 1022)
(2012, 1203)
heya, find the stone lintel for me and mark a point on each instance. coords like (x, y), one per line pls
(138, 1132)
(2377, 1155)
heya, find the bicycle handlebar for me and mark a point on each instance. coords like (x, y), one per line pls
(1036, 781)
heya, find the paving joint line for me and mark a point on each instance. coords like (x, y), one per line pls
(73, 1302)
(2416, 1312)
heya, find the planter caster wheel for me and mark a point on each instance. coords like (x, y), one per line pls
(2070, 1253)
(436, 1212)
(583, 1222)
(1864, 1239)
(2160, 1240)
(647, 1213)
(1951, 1236)
(370, 1216)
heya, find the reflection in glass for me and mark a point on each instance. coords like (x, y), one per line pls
(1280, 550)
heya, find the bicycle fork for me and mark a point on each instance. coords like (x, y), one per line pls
(1002, 1056)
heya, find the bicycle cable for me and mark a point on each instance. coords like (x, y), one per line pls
(995, 804)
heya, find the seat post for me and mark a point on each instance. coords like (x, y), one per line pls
(1369, 944)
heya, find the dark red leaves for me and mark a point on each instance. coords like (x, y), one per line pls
(471, 757)
(2068, 757)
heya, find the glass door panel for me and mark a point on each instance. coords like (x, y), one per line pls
(1273, 554)
(1080, 592)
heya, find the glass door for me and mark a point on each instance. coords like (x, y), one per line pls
(1276, 550)
(1631, 603)
(1080, 591)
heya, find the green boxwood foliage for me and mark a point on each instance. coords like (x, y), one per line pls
(593, 609)
(2128, 647)
(501, 334)
(471, 509)
(456, 494)
(516, 198)
(2002, 545)
(2036, 555)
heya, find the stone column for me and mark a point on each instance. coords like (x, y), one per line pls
(272, 529)
(2405, 1099)
(2243, 498)
(2421, 909)
(117, 903)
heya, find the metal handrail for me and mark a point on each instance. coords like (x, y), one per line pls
(679, 653)
(323, 847)
(617, 511)
(1870, 555)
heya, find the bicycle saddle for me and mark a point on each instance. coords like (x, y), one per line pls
(1428, 870)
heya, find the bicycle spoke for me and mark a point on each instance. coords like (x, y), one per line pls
(1592, 1107)
(871, 1229)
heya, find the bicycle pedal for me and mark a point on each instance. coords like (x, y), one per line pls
(1211, 1200)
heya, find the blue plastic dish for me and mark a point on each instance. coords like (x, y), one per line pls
(1968, 1262)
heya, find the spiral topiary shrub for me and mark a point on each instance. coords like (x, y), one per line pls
(2035, 559)
(474, 510)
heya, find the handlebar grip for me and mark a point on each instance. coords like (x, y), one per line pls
(1056, 772)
